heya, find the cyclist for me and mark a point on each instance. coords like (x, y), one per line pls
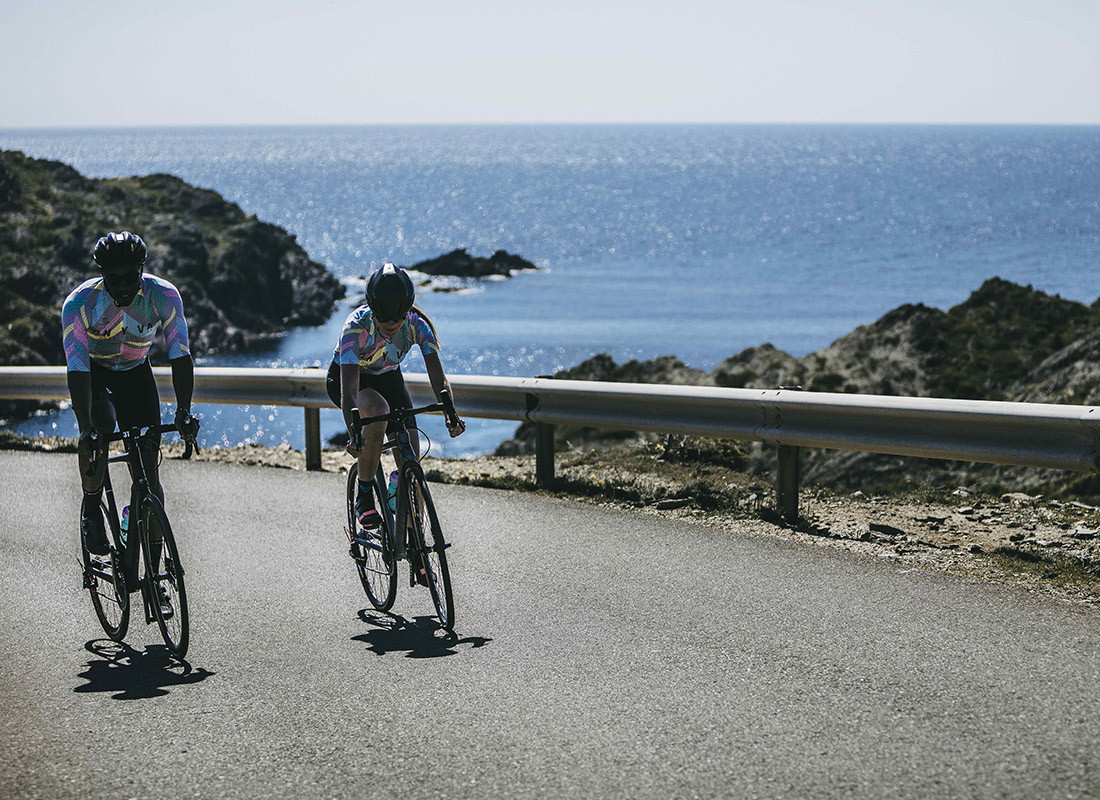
(108, 324)
(366, 371)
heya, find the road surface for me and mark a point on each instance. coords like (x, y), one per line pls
(598, 653)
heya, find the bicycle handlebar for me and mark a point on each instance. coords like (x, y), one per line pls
(447, 406)
(188, 448)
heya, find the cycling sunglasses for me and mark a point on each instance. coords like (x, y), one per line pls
(122, 278)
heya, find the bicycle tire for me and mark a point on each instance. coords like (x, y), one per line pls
(374, 562)
(431, 548)
(110, 598)
(174, 630)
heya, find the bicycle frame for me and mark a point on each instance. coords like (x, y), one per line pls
(406, 459)
(137, 537)
(411, 532)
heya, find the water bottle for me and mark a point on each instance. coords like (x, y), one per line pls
(125, 523)
(392, 492)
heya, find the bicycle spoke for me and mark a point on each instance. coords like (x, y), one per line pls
(432, 555)
(377, 570)
(107, 586)
(164, 581)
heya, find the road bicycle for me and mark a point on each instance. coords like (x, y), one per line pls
(144, 558)
(410, 531)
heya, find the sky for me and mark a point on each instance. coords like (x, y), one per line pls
(77, 63)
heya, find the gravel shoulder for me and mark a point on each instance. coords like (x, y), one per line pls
(1043, 545)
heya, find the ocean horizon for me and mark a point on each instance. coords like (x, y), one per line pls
(652, 239)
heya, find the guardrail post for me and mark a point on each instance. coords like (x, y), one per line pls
(313, 439)
(787, 481)
(544, 455)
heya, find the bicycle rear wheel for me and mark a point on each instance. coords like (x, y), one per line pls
(164, 576)
(432, 553)
(371, 549)
(106, 583)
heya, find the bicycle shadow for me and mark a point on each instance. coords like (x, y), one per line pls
(135, 674)
(420, 637)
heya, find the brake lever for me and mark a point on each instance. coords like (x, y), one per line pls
(190, 446)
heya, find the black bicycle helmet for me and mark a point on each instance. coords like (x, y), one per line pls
(390, 293)
(120, 250)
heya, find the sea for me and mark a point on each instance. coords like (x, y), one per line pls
(691, 240)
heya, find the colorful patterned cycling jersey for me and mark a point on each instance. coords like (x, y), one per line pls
(362, 341)
(96, 331)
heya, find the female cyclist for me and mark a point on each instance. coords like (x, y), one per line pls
(366, 371)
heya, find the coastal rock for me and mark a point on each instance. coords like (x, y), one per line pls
(1005, 342)
(663, 369)
(1070, 375)
(758, 368)
(984, 348)
(240, 278)
(461, 264)
(602, 367)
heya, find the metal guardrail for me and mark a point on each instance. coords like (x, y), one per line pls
(1022, 434)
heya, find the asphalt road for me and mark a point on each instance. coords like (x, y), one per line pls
(598, 652)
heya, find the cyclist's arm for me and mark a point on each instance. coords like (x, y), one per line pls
(440, 383)
(74, 332)
(429, 348)
(183, 381)
(435, 374)
(183, 384)
(349, 390)
(80, 390)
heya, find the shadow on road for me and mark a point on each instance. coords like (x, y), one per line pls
(135, 674)
(421, 637)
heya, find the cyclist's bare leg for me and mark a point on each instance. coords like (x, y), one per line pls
(103, 419)
(149, 446)
(371, 404)
(150, 457)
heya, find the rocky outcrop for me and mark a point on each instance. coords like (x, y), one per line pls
(1070, 375)
(461, 264)
(239, 277)
(602, 367)
(1005, 342)
(983, 348)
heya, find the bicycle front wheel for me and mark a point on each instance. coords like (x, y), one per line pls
(163, 577)
(106, 583)
(431, 547)
(371, 549)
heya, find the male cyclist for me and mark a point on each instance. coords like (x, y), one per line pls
(108, 324)
(366, 371)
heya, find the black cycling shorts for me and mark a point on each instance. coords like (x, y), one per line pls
(132, 392)
(391, 385)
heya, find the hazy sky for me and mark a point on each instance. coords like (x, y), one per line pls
(82, 62)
